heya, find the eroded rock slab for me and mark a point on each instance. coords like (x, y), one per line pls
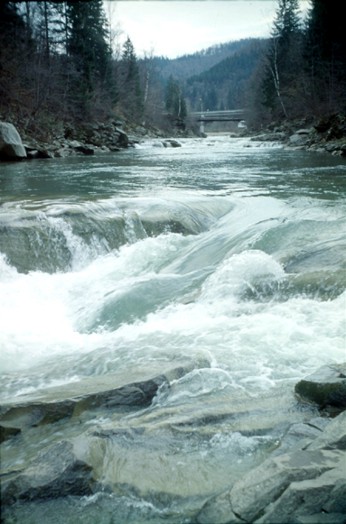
(56, 472)
(107, 391)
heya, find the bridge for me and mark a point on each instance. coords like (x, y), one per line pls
(233, 115)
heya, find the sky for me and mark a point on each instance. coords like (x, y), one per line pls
(173, 28)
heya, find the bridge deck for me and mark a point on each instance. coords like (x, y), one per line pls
(234, 115)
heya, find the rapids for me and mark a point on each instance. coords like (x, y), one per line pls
(224, 252)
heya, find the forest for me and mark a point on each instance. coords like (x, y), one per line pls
(59, 67)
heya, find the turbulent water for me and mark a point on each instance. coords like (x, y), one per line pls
(226, 253)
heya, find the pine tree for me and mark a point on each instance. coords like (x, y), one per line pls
(87, 45)
(281, 68)
(325, 53)
(131, 92)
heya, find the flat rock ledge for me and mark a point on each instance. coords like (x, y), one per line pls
(72, 400)
(303, 481)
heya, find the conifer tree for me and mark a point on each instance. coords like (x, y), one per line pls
(131, 92)
(325, 54)
(87, 45)
(281, 68)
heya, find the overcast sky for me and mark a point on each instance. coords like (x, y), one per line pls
(175, 27)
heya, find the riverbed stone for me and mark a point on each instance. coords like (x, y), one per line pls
(265, 484)
(310, 496)
(291, 486)
(325, 387)
(56, 472)
(218, 510)
(106, 391)
(11, 146)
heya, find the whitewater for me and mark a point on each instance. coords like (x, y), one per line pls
(225, 253)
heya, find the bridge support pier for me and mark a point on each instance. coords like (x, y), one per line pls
(201, 127)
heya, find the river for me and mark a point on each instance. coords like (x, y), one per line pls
(225, 253)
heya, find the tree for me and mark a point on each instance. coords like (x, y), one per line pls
(175, 102)
(325, 55)
(282, 55)
(131, 96)
(88, 47)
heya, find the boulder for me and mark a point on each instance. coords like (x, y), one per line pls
(171, 143)
(122, 140)
(292, 486)
(11, 146)
(325, 387)
(56, 472)
(298, 139)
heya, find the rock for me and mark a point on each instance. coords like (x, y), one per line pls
(108, 392)
(300, 435)
(293, 485)
(218, 510)
(122, 140)
(264, 485)
(11, 146)
(298, 139)
(34, 152)
(304, 131)
(171, 143)
(310, 496)
(7, 432)
(321, 518)
(325, 387)
(56, 472)
(86, 150)
(334, 435)
(277, 136)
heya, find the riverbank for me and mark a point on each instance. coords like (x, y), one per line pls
(322, 135)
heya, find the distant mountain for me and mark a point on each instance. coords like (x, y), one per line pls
(188, 65)
(225, 85)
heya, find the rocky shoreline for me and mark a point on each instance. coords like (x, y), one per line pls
(327, 135)
(87, 139)
(302, 481)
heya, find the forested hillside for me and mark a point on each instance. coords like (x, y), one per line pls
(58, 68)
(186, 66)
(226, 84)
